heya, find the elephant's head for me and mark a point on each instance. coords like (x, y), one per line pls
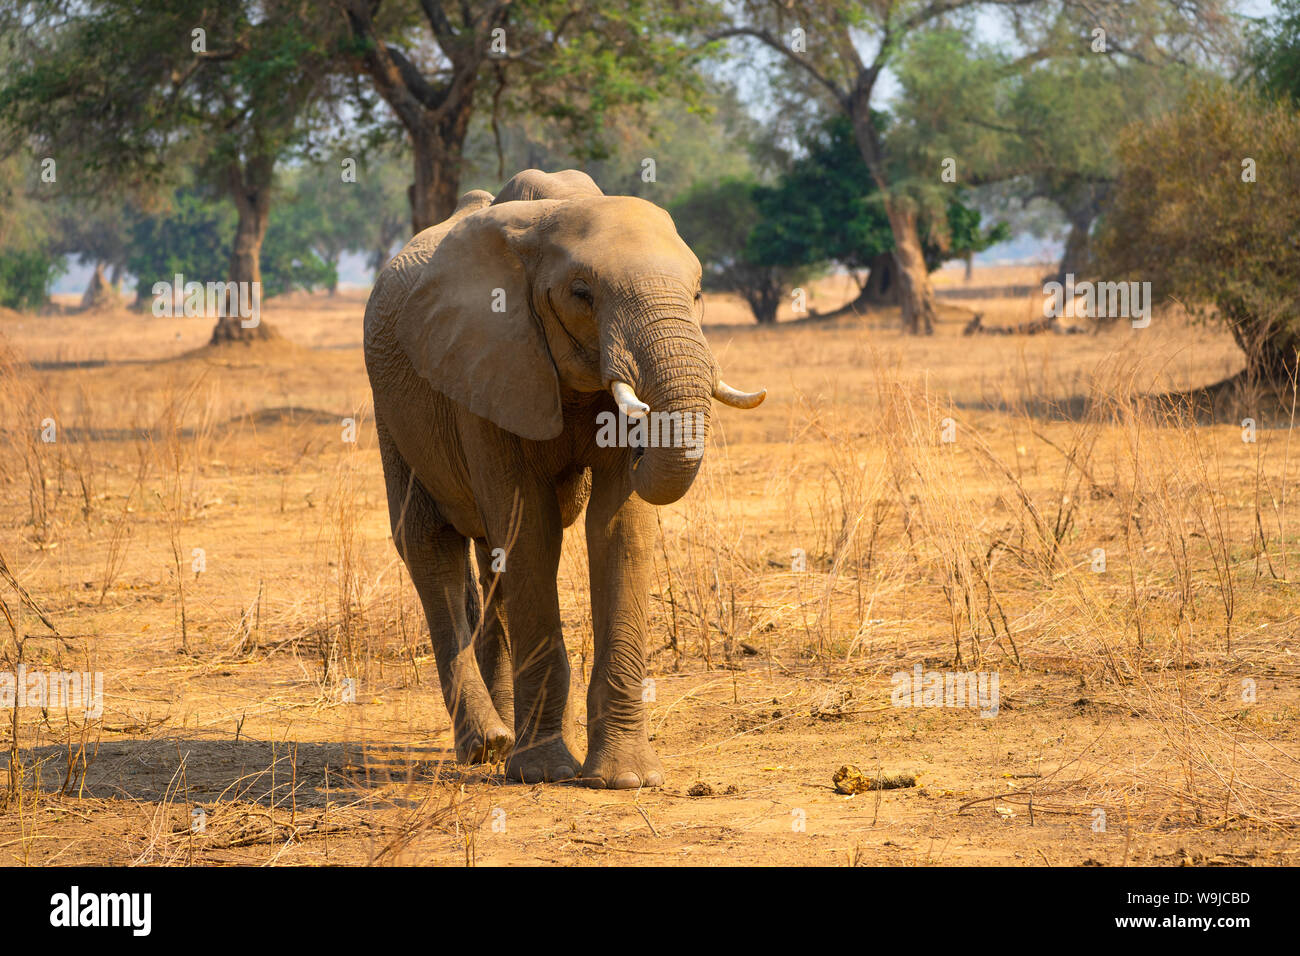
(526, 301)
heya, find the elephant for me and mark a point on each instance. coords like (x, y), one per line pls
(501, 346)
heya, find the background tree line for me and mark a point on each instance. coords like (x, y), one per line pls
(214, 139)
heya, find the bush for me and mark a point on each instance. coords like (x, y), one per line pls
(194, 237)
(25, 277)
(1206, 209)
(191, 238)
(716, 221)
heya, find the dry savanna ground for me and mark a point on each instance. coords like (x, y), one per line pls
(1024, 507)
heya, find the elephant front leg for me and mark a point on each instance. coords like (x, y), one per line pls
(525, 543)
(620, 542)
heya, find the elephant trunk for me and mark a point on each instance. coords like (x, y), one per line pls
(674, 375)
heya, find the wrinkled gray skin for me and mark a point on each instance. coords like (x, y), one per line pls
(492, 341)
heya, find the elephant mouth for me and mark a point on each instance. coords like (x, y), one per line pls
(676, 434)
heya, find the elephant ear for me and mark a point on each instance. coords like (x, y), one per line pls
(468, 326)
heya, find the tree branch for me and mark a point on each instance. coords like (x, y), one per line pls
(841, 96)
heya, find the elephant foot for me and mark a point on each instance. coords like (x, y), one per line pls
(543, 763)
(504, 705)
(483, 741)
(625, 765)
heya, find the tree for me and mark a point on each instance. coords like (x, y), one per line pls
(1275, 50)
(318, 217)
(26, 275)
(123, 92)
(570, 61)
(379, 195)
(1043, 132)
(28, 262)
(1205, 209)
(709, 142)
(297, 254)
(191, 235)
(826, 40)
(96, 233)
(717, 220)
(825, 208)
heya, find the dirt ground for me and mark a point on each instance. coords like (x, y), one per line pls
(208, 530)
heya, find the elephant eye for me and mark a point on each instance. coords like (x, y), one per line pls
(582, 292)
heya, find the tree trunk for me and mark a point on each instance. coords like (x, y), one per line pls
(1075, 258)
(1272, 347)
(100, 291)
(240, 313)
(435, 110)
(881, 289)
(438, 142)
(915, 294)
(1081, 204)
(763, 295)
(764, 308)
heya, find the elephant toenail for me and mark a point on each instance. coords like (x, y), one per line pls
(627, 780)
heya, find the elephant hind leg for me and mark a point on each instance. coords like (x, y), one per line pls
(437, 557)
(491, 640)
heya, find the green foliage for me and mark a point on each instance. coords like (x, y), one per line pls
(716, 221)
(964, 233)
(29, 259)
(292, 254)
(592, 64)
(826, 208)
(1053, 124)
(1186, 216)
(759, 240)
(688, 146)
(191, 237)
(117, 91)
(1275, 50)
(26, 276)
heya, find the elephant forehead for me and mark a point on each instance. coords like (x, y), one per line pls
(624, 228)
(618, 215)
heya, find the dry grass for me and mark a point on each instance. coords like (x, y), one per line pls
(834, 538)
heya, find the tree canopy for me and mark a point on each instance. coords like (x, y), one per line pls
(1206, 209)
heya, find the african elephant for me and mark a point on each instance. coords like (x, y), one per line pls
(499, 344)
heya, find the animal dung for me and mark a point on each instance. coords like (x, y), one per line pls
(849, 779)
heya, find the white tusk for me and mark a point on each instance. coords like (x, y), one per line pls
(736, 398)
(628, 403)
